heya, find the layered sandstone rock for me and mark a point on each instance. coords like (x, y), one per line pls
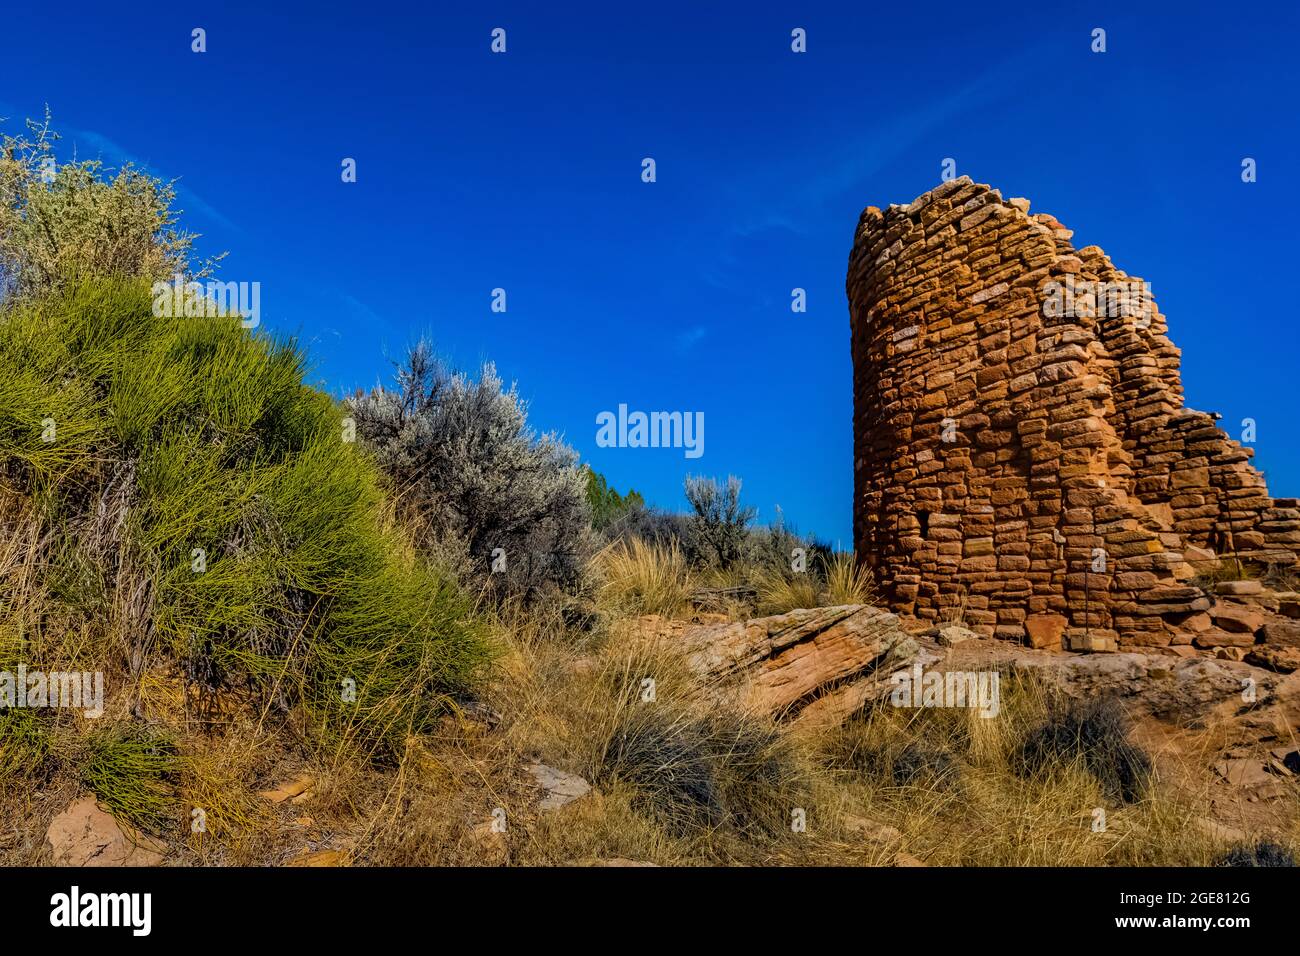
(1022, 452)
(824, 662)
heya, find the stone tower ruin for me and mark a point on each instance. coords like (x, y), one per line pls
(1023, 458)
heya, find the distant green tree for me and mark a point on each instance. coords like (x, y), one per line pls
(607, 505)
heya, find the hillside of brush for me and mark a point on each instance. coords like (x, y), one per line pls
(401, 627)
(201, 530)
(182, 513)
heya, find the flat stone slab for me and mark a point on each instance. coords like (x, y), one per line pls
(561, 788)
(1239, 588)
(85, 835)
(1243, 773)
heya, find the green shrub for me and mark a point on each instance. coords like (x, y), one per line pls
(25, 751)
(248, 537)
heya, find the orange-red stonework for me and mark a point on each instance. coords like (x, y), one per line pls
(1022, 453)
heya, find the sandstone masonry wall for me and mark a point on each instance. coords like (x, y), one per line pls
(1022, 453)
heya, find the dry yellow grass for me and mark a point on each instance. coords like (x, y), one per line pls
(679, 778)
(779, 592)
(848, 581)
(641, 578)
(836, 580)
(571, 705)
(959, 800)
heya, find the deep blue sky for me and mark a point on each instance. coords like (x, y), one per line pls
(522, 171)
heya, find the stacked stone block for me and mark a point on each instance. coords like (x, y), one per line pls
(1023, 459)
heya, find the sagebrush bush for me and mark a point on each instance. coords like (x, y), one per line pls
(200, 508)
(772, 547)
(67, 222)
(652, 525)
(466, 467)
(754, 564)
(719, 521)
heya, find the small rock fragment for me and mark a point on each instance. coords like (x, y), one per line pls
(561, 788)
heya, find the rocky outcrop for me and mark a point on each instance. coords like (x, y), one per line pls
(1022, 453)
(820, 663)
(1185, 690)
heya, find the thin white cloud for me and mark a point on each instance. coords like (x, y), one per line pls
(850, 161)
(691, 337)
(189, 200)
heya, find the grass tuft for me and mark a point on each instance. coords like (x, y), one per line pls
(25, 748)
(848, 581)
(644, 578)
(133, 771)
(702, 772)
(1095, 734)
